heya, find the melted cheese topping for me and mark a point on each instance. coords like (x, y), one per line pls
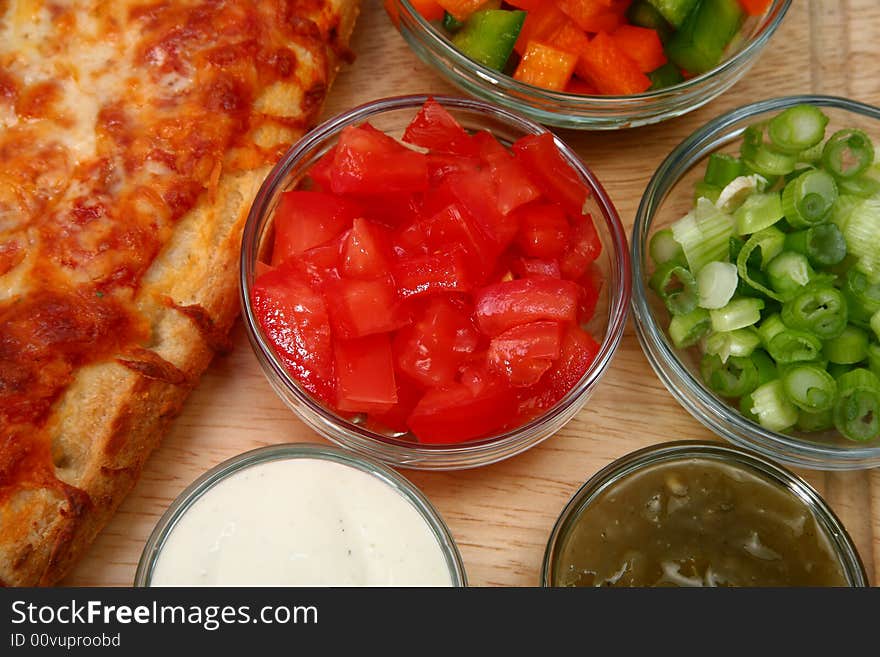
(117, 118)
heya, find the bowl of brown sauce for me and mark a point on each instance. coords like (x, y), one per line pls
(694, 514)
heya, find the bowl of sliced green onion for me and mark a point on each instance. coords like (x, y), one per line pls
(756, 256)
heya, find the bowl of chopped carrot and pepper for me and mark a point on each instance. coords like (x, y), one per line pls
(756, 266)
(590, 64)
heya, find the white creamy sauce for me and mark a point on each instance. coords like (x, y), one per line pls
(301, 522)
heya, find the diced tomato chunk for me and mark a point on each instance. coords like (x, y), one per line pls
(433, 347)
(441, 165)
(551, 173)
(429, 9)
(307, 219)
(390, 210)
(543, 230)
(504, 305)
(370, 162)
(477, 192)
(358, 308)
(578, 350)
(454, 414)
(591, 285)
(320, 171)
(436, 129)
(431, 274)
(455, 225)
(487, 146)
(394, 419)
(365, 374)
(523, 353)
(525, 267)
(294, 319)
(584, 247)
(512, 183)
(366, 251)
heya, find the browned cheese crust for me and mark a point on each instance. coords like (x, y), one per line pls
(133, 138)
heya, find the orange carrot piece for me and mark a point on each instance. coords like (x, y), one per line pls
(545, 66)
(581, 88)
(755, 7)
(610, 70)
(571, 38)
(461, 9)
(429, 9)
(540, 25)
(642, 44)
(595, 15)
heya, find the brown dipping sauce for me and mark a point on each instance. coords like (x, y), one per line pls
(696, 521)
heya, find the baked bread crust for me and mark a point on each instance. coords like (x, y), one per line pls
(112, 413)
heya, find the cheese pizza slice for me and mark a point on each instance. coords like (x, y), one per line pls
(133, 137)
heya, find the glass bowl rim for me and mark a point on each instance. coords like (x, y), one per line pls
(844, 547)
(683, 157)
(618, 252)
(291, 451)
(438, 43)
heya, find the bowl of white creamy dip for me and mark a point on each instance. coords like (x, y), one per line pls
(300, 515)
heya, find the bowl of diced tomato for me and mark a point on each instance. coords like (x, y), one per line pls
(590, 64)
(438, 283)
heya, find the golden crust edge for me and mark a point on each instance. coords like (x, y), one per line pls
(144, 412)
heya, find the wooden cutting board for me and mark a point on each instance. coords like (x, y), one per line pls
(501, 515)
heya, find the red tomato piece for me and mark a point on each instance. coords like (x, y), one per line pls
(431, 274)
(294, 319)
(577, 352)
(454, 414)
(304, 220)
(368, 161)
(394, 419)
(553, 175)
(580, 87)
(523, 353)
(526, 267)
(319, 264)
(365, 374)
(454, 227)
(410, 241)
(543, 230)
(435, 128)
(390, 210)
(478, 194)
(642, 44)
(511, 182)
(487, 146)
(441, 165)
(504, 305)
(358, 308)
(584, 247)
(591, 284)
(433, 347)
(321, 170)
(366, 250)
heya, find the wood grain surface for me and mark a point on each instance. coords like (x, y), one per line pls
(501, 515)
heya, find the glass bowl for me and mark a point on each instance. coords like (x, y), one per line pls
(632, 463)
(165, 527)
(669, 196)
(588, 112)
(392, 115)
